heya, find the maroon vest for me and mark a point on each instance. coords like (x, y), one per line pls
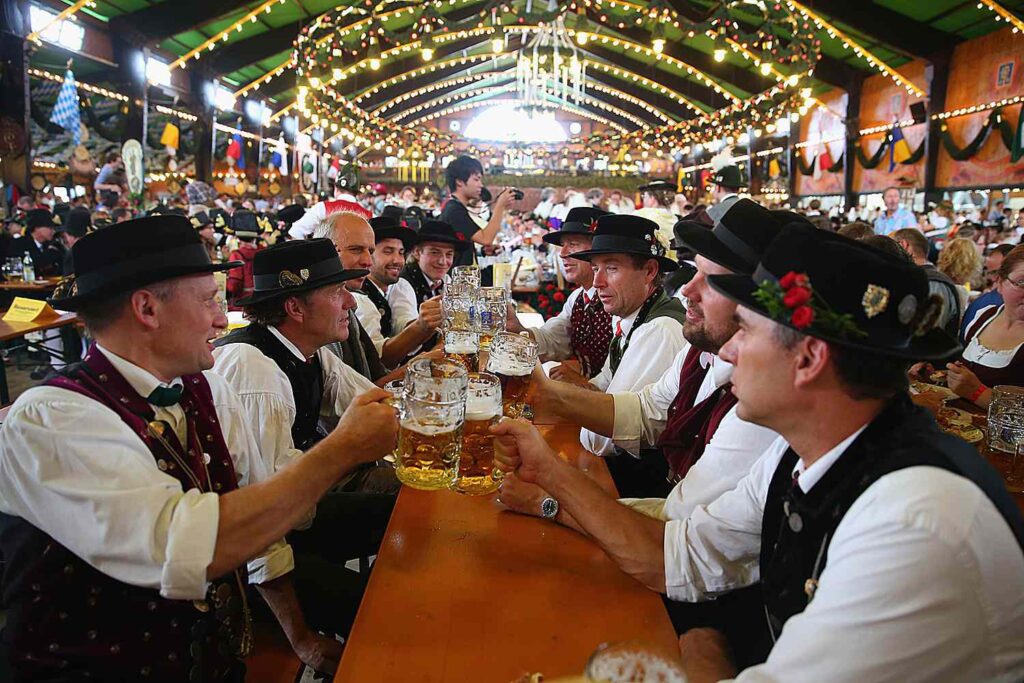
(990, 377)
(689, 427)
(67, 620)
(590, 334)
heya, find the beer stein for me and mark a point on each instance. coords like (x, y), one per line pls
(492, 309)
(477, 473)
(466, 274)
(1006, 432)
(512, 358)
(458, 308)
(463, 347)
(430, 424)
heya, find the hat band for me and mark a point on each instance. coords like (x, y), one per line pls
(625, 245)
(731, 240)
(576, 226)
(762, 275)
(188, 255)
(302, 276)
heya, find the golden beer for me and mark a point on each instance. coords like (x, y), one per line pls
(463, 347)
(428, 455)
(477, 473)
(485, 341)
(512, 358)
(514, 388)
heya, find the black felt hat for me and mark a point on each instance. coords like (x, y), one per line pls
(221, 219)
(386, 228)
(39, 218)
(245, 224)
(78, 222)
(728, 176)
(294, 267)
(291, 213)
(392, 211)
(439, 231)
(60, 212)
(201, 220)
(658, 186)
(845, 292)
(125, 256)
(624, 234)
(738, 240)
(579, 221)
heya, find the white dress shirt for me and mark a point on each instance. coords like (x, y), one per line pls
(554, 336)
(369, 318)
(736, 445)
(266, 394)
(648, 357)
(404, 308)
(924, 580)
(73, 469)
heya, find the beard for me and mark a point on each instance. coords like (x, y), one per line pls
(702, 339)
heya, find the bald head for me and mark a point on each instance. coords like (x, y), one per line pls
(353, 238)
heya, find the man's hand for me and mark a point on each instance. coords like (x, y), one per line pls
(430, 315)
(369, 426)
(569, 372)
(518, 496)
(512, 323)
(705, 655)
(921, 371)
(521, 449)
(961, 380)
(503, 199)
(320, 652)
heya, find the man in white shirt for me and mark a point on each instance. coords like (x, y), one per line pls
(582, 331)
(393, 296)
(132, 490)
(628, 262)
(886, 550)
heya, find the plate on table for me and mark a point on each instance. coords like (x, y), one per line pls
(959, 423)
(925, 388)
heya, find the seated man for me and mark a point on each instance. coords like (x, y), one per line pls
(628, 262)
(132, 490)
(864, 524)
(581, 332)
(393, 295)
(432, 258)
(286, 381)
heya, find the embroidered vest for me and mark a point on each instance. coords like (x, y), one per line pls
(590, 334)
(989, 376)
(797, 527)
(67, 620)
(306, 380)
(691, 425)
(381, 302)
(657, 306)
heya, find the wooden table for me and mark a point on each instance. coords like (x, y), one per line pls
(11, 330)
(464, 590)
(37, 287)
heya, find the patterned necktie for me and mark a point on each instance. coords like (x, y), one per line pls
(162, 397)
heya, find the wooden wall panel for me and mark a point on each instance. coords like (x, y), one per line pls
(985, 69)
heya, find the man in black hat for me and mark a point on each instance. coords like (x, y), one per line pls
(864, 524)
(628, 262)
(583, 329)
(77, 226)
(655, 198)
(465, 182)
(287, 380)
(134, 493)
(47, 257)
(398, 337)
(432, 258)
(726, 184)
(204, 227)
(244, 225)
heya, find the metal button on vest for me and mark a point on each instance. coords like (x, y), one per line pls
(796, 523)
(162, 465)
(206, 458)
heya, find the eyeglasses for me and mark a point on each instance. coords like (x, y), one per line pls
(1019, 284)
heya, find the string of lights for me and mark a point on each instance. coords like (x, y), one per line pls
(1002, 14)
(473, 105)
(66, 13)
(223, 36)
(94, 89)
(184, 116)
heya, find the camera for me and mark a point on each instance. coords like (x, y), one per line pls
(517, 194)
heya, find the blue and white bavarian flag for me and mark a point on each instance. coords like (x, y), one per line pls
(66, 113)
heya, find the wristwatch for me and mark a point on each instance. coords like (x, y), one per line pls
(549, 508)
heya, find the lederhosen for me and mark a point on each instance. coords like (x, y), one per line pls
(67, 621)
(305, 378)
(797, 527)
(381, 302)
(590, 334)
(989, 376)
(646, 476)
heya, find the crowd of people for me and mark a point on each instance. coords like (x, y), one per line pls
(744, 371)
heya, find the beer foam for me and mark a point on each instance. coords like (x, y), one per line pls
(482, 408)
(427, 430)
(462, 347)
(508, 367)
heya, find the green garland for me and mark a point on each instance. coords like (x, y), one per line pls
(808, 169)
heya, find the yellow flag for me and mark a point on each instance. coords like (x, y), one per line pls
(773, 168)
(169, 138)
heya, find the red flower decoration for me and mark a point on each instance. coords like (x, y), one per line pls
(792, 279)
(802, 317)
(462, 237)
(593, 225)
(796, 296)
(558, 296)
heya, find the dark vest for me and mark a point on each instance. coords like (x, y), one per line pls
(658, 305)
(418, 280)
(797, 527)
(381, 302)
(67, 621)
(306, 380)
(590, 334)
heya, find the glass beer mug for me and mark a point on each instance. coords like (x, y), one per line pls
(512, 358)
(463, 347)
(430, 424)
(466, 274)
(492, 309)
(477, 473)
(458, 308)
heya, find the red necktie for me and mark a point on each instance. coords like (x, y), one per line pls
(618, 329)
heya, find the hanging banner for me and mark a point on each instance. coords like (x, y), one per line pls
(131, 154)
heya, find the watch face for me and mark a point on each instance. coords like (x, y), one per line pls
(549, 508)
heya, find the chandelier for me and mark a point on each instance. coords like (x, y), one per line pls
(549, 70)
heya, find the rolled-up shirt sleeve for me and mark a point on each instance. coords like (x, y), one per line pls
(553, 337)
(70, 467)
(640, 416)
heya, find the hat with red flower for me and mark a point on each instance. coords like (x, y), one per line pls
(624, 234)
(579, 221)
(845, 292)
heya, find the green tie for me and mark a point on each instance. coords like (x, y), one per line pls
(165, 396)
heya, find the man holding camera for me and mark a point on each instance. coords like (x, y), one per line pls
(465, 181)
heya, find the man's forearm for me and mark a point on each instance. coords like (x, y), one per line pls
(582, 406)
(489, 233)
(279, 595)
(634, 541)
(396, 348)
(254, 517)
